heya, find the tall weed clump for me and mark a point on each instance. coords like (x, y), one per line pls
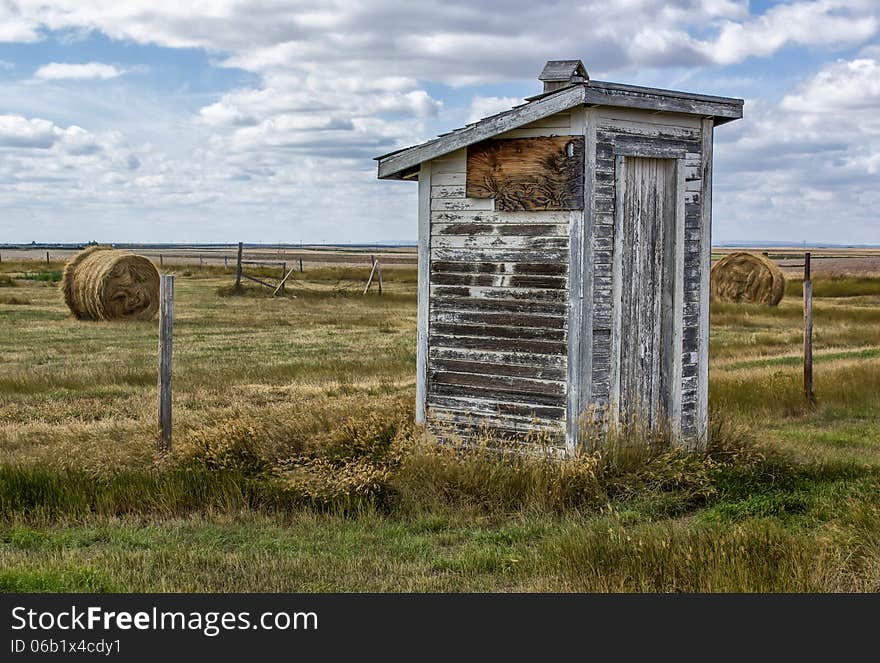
(379, 458)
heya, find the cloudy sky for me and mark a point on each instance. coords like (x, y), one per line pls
(222, 120)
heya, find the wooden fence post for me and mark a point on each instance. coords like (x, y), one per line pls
(166, 329)
(379, 268)
(238, 268)
(300, 265)
(161, 262)
(225, 262)
(808, 332)
(370, 279)
(47, 257)
(283, 274)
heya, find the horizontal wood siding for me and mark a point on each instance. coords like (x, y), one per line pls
(497, 321)
(624, 133)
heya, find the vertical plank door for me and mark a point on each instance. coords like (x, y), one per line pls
(644, 289)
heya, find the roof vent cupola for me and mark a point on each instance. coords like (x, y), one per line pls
(558, 74)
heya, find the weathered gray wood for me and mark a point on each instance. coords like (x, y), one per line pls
(166, 330)
(257, 280)
(520, 268)
(500, 280)
(509, 319)
(511, 358)
(531, 305)
(370, 278)
(677, 355)
(808, 332)
(238, 267)
(500, 255)
(284, 280)
(482, 368)
(506, 344)
(497, 331)
(515, 384)
(705, 262)
(448, 191)
(491, 294)
(493, 218)
(500, 392)
(493, 422)
(722, 109)
(617, 288)
(643, 354)
(424, 289)
(578, 224)
(597, 93)
(482, 204)
(563, 71)
(490, 406)
(390, 165)
(498, 242)
(500, 230)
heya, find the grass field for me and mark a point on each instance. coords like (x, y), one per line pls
(296, 466)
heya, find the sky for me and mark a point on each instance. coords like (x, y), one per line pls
(223, 121)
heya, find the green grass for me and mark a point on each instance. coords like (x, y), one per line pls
(296, 466)
(46, 276)
(836, 286)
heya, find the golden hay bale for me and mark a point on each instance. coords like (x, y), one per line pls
(744, 277)
(101, 283)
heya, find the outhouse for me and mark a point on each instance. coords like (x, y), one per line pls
(564, 256)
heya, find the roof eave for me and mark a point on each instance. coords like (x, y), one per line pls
(562, 100)
(596, 93)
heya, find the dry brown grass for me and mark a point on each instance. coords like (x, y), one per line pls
(296, 466)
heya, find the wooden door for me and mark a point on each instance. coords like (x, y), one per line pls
(645, 289)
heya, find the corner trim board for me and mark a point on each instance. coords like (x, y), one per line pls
(424, 290)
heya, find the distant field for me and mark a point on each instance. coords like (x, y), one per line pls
(312, 257)
(296, 466)
(865, 262)
(852, 262)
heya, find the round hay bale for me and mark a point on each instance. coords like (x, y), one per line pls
(747, 278)
(101, 283)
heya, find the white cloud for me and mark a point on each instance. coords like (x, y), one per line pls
(485, 106)
(66, 70)
(17, 131)
(820, 23)
(336, 82)
(806, 167)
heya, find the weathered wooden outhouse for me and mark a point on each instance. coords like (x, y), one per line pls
(564, 255)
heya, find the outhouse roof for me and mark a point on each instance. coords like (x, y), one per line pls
(403, 164)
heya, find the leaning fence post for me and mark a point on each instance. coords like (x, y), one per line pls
(808, 332)
(238, 268)
(166, 328)
(370, 279)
